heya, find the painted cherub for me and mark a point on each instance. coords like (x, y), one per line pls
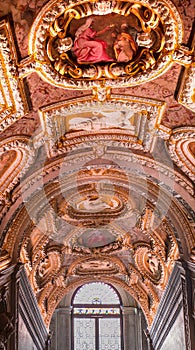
(124, 47)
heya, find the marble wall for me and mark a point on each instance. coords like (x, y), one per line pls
(173, 325)
(25, 340)
(176, 336)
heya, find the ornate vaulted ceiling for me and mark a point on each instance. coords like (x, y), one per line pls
(97, 102)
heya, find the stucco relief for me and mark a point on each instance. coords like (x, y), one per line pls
(132, 118)
(119, 134)
(136, 35)
(186, 94)
(96, 265)
(41, 267)
(181, 147)
(97, 204)
(23, 15)
(13, 103)
(16, 155)
(74, 163)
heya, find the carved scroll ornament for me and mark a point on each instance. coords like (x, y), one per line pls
(73, 48)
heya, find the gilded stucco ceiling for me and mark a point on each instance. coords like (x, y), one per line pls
(97, 146)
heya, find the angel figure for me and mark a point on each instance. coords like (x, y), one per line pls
(124, 47)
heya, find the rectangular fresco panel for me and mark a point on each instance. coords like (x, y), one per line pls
(99, 120)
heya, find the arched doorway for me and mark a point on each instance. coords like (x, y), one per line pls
(96, 318)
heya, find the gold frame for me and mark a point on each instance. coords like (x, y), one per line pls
(63, 72)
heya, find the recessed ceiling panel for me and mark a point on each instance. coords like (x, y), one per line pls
(80, 44)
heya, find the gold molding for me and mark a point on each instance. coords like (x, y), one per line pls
(186, 93)
(143, 126)
(13, 102)
(50, 28)
(13, 168)
(180, 149)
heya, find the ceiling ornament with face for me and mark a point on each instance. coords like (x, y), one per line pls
(71, 46)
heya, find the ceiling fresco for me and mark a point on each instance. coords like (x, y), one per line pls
(97, 135)
(134, 33)
(24, 12)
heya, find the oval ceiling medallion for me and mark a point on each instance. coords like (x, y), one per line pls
(82, 44)
(93, 238)
(93, 205)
